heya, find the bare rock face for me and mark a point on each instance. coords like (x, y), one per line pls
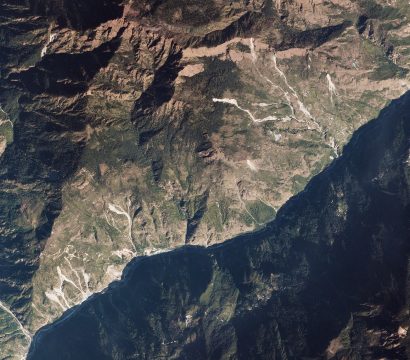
(130, 128)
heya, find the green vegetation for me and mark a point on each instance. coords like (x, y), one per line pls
(260, 211)
(11, 336)
(217, 215)
(382, 12)
(242, 47)
(6, 131)
(246, 219)
(388, 70)
(385, 68)
(213, 218)
(298, 183)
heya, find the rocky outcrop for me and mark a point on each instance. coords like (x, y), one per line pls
(328, 279)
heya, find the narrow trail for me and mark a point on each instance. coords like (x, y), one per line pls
(244, 205)
(57, 295)
(302, 107)
(120, 211)
(7, 120)
(253, 118)
(292, 92)
(25, 332)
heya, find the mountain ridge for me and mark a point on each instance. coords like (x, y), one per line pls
(163, 123)
(240, 270)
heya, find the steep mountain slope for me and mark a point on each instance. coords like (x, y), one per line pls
(134, 127)
(329, 278)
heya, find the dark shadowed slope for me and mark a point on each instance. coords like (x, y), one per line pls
(78, 14)
(328, 278)
(43, 152)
